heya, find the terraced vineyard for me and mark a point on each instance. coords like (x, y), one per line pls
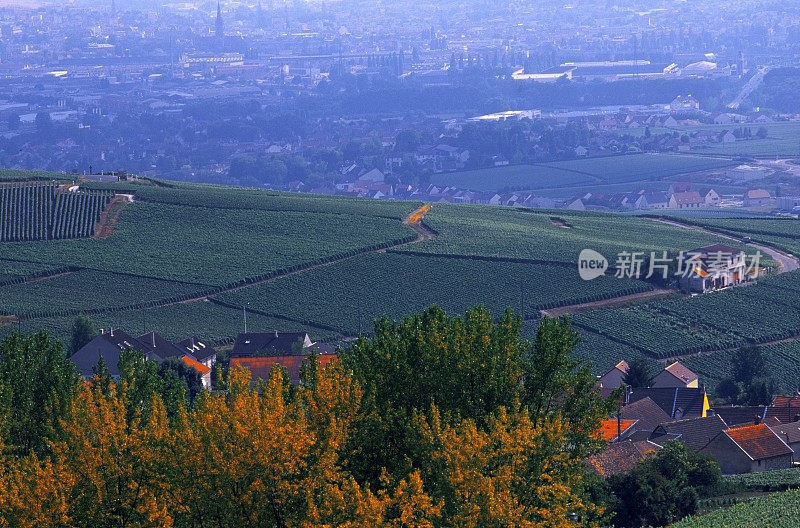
(38, 211)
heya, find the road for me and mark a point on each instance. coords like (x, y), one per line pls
(749, 86)
(786, 261)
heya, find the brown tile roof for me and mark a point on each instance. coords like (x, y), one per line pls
(619, 457)
(688, 197)
(260, 367)
(758, 441)
(680, 371)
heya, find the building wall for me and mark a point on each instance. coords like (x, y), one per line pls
(730, 458)
(612, 379)
(780, 462)
(665, 379)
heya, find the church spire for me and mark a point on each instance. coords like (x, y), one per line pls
(219, 30)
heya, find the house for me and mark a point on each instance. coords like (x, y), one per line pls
(710, 197)
(675, 375)
(757, 197)
(374, 175)
(260, 367)
(685, 200)
(203, 353)
(790, 434)
(202, 370)
(713, 267)
(620, 457)
(158, 348)
(271, 344)
(614, 377)
(108, 345)
(581, 151)
(749, 449)
(677, 403)
(726, 136)
(695, 433)
(654, 200)
(740, 414)
(670, 122)
(647, 416)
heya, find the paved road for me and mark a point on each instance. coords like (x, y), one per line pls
(786, 261)
(748, 88)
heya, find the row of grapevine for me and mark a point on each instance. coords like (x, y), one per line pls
(38, 211)
(76, 214)
(25, 211)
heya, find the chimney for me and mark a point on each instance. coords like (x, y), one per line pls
(276, 334)
(154, 339)
(102, 331)
(111, 330)
(757, 420)
(619, 427)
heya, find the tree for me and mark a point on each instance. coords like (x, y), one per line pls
(748, 364)
(38, 383)
(83, 331)
(639, 373)
(663, 488)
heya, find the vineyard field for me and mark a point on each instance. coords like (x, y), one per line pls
(85, 290)
(779, 510)
(611, 169)
(38, 211)
(782, 363)
(215, 324)
(395, 284)
(511, 233)
(218, 197)
(718, 320)
(214, 246)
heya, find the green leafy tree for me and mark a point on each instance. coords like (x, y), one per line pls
(83, 331)
(639, 373)
(38, 383)
(663, 488)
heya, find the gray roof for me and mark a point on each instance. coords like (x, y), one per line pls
(107, 345)
(266, 344)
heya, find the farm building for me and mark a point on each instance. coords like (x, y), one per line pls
(713, 267)
(749, 449)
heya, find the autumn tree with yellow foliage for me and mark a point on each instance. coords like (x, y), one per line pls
(433, 422)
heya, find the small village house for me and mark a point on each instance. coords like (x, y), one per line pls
(675, 375)
(749, 449)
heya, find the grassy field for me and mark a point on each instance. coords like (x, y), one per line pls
(581, 172)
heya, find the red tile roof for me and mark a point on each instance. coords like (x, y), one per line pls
(758, 441)
(608, 428)
(619, 457)
(261, 366)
